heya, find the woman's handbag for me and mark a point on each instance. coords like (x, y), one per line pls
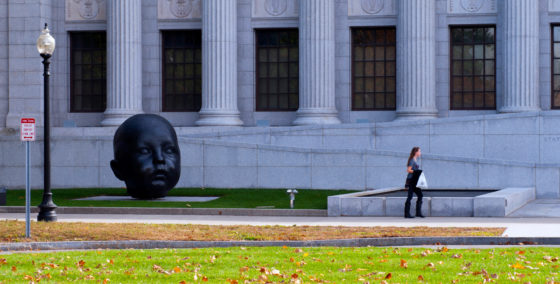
(422, 182)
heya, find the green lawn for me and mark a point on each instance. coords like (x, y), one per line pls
(283, 264)
(229, 198)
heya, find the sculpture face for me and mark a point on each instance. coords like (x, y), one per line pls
(147, 156)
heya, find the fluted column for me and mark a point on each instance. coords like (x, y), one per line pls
(521, 52)
(219, 64)
(124, 61)
(317, 63)
(416, 70)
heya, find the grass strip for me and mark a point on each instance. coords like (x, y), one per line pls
(13, 231)
(286, 265)
(229, 198)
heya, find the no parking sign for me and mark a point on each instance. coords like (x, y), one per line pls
(27, 134)
(27, 129)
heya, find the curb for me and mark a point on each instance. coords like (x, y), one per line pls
(175, 211)
(399, 241)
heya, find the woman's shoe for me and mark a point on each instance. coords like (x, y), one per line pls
(420, 215)
(408, 216)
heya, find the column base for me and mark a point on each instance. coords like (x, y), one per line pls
(117, 117)
(219, 118)
(515, 109)
(314, 117)
(416, 115)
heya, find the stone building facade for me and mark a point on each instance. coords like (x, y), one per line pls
(347, 86)
(336, 61)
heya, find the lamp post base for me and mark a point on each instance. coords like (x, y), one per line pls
(47, 216)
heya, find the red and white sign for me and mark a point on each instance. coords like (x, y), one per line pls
(27, 129)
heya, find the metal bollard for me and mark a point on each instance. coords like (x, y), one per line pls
(292, 192)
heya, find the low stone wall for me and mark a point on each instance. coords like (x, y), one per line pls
(369, 203)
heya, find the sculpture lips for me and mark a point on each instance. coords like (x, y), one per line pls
(160, 175)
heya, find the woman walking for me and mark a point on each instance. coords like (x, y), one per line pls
(414, 172)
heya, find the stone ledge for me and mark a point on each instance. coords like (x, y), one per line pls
(365, 242)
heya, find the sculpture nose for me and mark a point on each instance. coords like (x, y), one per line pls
(158, 156)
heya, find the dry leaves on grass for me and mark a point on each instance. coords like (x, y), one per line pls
(11, 231)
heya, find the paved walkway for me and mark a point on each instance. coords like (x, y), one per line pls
(516, 227)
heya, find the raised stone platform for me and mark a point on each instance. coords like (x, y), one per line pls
(387, 202)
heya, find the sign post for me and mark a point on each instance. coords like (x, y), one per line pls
(27, 135)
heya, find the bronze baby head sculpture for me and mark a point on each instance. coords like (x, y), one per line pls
(147, 156)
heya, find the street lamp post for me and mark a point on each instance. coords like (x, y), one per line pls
(45, 46)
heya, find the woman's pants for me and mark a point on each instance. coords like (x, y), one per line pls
(418, 191)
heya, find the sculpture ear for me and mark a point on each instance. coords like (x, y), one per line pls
(116, 170)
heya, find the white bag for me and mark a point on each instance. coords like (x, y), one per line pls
(422, 182)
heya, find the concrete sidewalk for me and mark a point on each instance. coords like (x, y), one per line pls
(515, 227)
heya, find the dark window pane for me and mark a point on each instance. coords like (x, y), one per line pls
(555, 92)
(277, 69)
(373, 68)
(182, 69)
(472, 67)
(88, 90)
(478, 100)
(479, 67)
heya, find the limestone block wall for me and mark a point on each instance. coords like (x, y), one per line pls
(526, 137)
(83, 161)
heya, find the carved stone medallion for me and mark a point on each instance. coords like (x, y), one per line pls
(88, 8)
(372, 6)
(275, 7)
(472, 5)
(181, 8)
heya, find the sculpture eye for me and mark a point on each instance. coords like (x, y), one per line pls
(170, 150)
(144, 150)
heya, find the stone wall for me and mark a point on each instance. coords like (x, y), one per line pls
(83, 161)
(527, 137)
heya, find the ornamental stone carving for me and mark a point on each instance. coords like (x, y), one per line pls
(85, 10)
(372, 8)
(275, 9)
(179, 9)
(471, 6)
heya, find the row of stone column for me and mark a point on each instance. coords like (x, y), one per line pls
(416, 92)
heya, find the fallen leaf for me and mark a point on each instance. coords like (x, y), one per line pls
(388, 276)
(517, 265)
(14, 269)
(420, 278)
(298, 250)
(295, 275)
(105, 281)
(176, 269)
(404, 264)
(183, 282)
(204, 279)
(263, 278)
(243, 269)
